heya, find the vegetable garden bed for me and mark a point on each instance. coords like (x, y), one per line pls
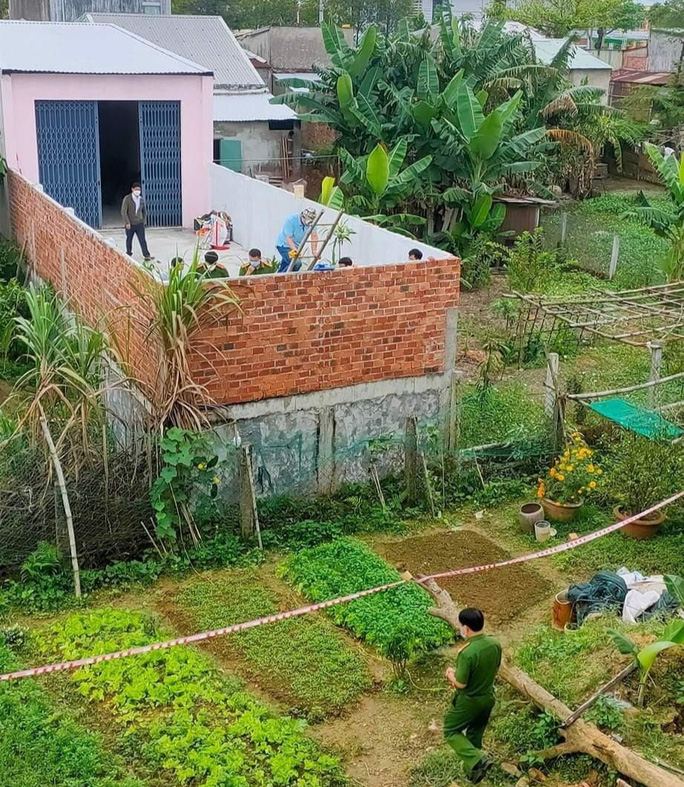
(178, 714)
(303, 662)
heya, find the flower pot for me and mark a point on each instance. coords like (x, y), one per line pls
(528, 516)
(641, 529)
(562, 611)
(561, 512)
(543, 531)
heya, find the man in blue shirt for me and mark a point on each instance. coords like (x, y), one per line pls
(292, 234)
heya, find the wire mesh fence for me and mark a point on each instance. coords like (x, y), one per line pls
(108, 494)
(112, 506)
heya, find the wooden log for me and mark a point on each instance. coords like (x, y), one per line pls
(580, 736)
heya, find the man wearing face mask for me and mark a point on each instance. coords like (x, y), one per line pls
(476, 667)
(292, 234)
(134, 215)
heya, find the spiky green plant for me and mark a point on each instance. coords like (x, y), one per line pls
(64, 383)
(180, 310)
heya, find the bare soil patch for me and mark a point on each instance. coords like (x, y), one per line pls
(503, 594)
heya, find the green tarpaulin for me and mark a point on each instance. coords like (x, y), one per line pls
(636, 419)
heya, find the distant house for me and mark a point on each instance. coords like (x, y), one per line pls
(88, 109)
(290, 49)
(72, 10)
(250, 134)
(583, 68)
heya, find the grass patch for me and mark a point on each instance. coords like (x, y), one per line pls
(507, 411)
(395, 622)
(304, 660)
(180, 716)
(439, 768)
(41, 746)
(591, 228)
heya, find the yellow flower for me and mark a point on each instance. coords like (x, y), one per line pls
(590, 468)
(581, 489)
(201, 466)
(216, 480)
(599, 471)
(560, 476)
(592, 485)
(571, 468)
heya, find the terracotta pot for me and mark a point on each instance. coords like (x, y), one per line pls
(561, 512)
(562, 611)
(641, 529)
(529, 514)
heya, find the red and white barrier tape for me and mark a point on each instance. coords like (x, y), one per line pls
(293, 613)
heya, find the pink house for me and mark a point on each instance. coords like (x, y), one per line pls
(86, 109)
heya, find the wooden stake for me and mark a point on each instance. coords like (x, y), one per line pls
(628, 670)
(454, 415)
(564, 226)
(551, 384)
(656, 348)
(411, 458)
(65, 503)
(614, 254)
(249, 517)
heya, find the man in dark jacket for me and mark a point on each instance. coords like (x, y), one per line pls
(134, 215)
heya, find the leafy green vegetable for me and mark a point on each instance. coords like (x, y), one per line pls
(303, 659)
(180, 715)
(395, 622)
(40, 746)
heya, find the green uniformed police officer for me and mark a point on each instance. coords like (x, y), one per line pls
(476, 667)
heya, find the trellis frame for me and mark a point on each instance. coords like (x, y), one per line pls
(637, 317)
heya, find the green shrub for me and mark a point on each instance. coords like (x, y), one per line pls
(10, 256)
(303, 658)
(179, 715)
(394, 622)
(41, 746)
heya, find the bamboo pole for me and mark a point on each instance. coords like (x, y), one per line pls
(626, 389)
(65, 503)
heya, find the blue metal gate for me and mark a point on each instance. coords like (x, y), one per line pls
(69, 156)
(160, 159)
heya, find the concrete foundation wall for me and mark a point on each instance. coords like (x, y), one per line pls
(315, 442)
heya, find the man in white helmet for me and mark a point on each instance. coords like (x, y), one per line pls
(292, 234)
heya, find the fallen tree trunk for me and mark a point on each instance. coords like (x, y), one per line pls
(579, 736)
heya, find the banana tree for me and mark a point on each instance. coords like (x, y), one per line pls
(645, 658)
(482, 153)
(381, 184)
(668, 221)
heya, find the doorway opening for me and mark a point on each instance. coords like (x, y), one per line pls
(119, 155)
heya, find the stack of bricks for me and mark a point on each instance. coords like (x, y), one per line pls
(307, 332)
(293, 334)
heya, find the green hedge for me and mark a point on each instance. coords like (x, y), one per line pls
(395, 622)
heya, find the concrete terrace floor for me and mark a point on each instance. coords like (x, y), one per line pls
(165, 243)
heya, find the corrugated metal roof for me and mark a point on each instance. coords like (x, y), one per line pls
(73, 48)
(634, 77)
(206, 39)
(242, 108)
(547, 48)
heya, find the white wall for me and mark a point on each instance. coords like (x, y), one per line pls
(258, 211)
(595, 77)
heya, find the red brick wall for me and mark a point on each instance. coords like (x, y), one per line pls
(310, 332)
(294, 334)
(94, 278)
